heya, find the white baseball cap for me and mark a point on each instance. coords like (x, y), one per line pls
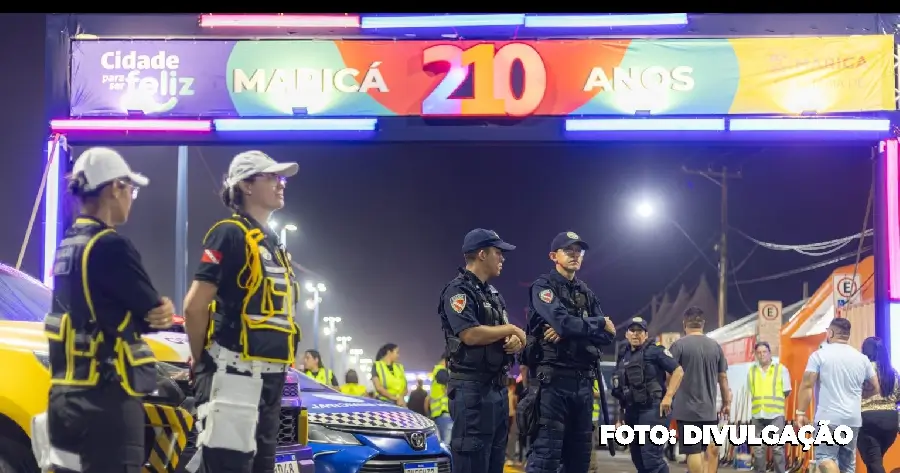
(100, 166)
(250, 163)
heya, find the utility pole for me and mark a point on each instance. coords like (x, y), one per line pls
(720, 178)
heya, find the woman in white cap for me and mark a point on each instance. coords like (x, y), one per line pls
(240, 322)
(103, 301)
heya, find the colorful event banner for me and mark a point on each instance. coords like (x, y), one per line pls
(475, 78)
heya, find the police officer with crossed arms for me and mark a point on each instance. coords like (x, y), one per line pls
(566, 327)
(480, 343)
(639, 383)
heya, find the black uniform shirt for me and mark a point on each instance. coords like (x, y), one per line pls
(657, 356)
(459, 306)
(546, 305)
(224, 254)
(117, 279)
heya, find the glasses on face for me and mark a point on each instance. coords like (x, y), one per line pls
(134, 189)
(573, 252)
(274, 178)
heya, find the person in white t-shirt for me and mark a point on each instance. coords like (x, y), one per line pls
(837, 371)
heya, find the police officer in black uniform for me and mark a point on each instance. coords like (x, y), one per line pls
(639, 383)
(480, 343)
(103, 301)
(566, 329)
(239, 314)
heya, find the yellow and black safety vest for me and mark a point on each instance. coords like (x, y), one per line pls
(323, 376)
(353, 389)
(83, 353)
(392, 380)
(260, 326)
(440, 403)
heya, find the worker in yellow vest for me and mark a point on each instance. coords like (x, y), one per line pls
(351, 385)
(595, 440)
(313, 367)
(438, 402)
(389, 377)
(770, 384)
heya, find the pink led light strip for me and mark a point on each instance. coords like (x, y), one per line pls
(892, 189)
(131, 125)
(280, 21)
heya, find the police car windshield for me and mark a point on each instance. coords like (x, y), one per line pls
(22, 298)
(309, 385)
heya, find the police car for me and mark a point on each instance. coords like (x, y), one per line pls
(25, 381)
(361, 435)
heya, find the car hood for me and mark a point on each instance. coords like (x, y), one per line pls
(170, 347)
(339, 410)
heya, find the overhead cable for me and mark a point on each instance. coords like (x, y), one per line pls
(810, 249)
(804, 269)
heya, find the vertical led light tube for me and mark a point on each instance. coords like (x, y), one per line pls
(892, 211)
(51, 209)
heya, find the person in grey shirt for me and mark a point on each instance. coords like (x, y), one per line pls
(704, 367)
(838, 372)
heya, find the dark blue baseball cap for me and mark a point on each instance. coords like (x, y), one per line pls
(565, 239)
(481, 238)
(638, 322)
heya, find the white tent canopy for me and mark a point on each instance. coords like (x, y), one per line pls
(746, 326)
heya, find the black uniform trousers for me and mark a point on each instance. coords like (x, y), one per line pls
(480, 413)
(648, 458)
(103, 425)
(566, 424)
(217, 460)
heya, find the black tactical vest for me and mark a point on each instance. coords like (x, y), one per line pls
(635, 382)
(488, 359)
(260, 326)
(573, 354)
(82, 353)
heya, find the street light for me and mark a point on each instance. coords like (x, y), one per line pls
(313, 304)
(646, 210)
(284, 230)
(332, 331)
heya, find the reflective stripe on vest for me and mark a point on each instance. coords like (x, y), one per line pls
(596, 413)
(392, 381)
(440, 403)
(323, 376)
(267, 329)
(77, 345)
(767, 397)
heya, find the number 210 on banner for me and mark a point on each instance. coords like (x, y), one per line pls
(492, 92)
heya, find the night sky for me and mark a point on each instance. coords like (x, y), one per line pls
(383, 224)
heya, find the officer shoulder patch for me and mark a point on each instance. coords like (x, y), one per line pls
(458, 303)
(546, 295)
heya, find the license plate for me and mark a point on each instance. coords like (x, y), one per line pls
(420, 467)
(286, 464)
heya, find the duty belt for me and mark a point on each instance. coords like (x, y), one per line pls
(233, 360)
(545, 371)
(485, 378)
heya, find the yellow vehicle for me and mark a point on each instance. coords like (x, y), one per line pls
(25, 381)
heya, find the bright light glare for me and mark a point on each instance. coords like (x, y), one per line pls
(273, 225)
(310, 304)
(320, 287)
(339, 348)
(644, 210)
(326, 331)
(310, 287)
(290, 227)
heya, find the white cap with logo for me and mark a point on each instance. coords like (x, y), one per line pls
(250, 163)
(100, 166)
